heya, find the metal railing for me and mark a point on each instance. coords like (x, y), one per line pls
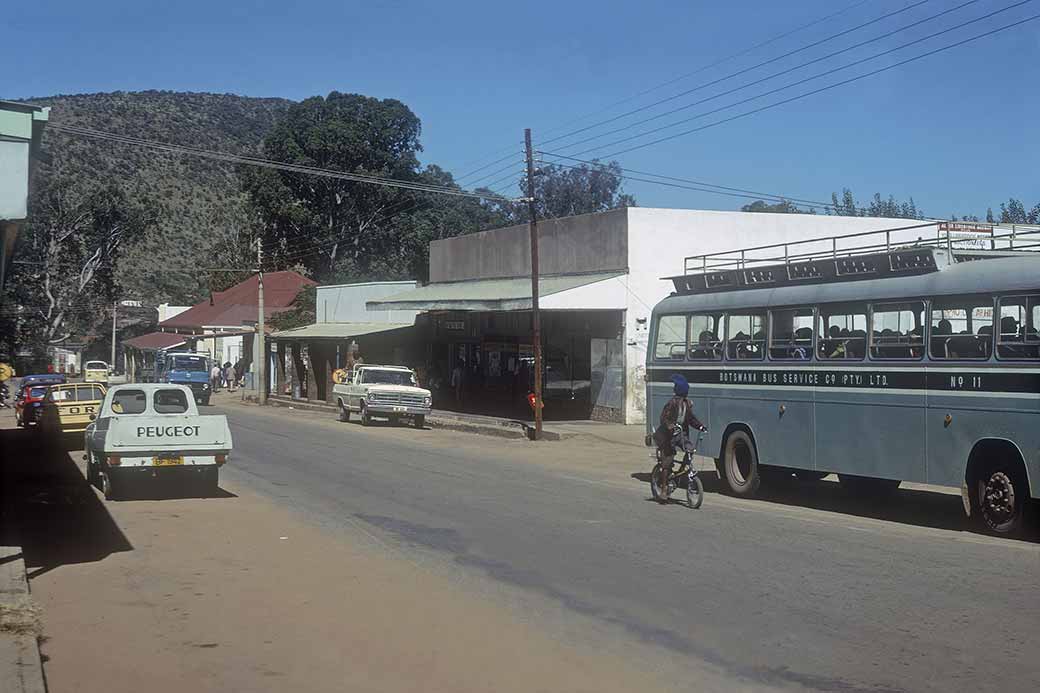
(956, 237)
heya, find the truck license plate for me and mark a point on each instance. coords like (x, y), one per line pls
(168, 461)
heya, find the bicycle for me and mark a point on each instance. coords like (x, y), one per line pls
(694, 487)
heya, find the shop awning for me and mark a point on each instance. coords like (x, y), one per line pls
(338, 330)
(486, 294)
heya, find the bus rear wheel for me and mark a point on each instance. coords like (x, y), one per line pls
(1000, 499)
(740, 459)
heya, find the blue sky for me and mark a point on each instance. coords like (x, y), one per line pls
(958, 130)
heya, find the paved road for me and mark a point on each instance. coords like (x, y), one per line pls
(797, 591)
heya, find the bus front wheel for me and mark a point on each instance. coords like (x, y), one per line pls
(1000, 499)
(740, 459)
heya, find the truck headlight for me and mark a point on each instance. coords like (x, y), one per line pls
(370, 396)
(205, 386)
(427, 401)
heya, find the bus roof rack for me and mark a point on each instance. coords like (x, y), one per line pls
(896, 251)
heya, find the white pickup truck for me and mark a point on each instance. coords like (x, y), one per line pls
(148, 431)
(389, 392)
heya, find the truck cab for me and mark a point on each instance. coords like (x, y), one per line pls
(389, 392)
(152, 431)
(185, 368)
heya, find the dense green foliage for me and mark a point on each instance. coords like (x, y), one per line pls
(197, 203)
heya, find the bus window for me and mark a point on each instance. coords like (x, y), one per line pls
(671, 337)
(791, 334)
(843, 332)
(897, 330)
(1017, 337)
(962, 327)
(745, 336)
(705, 341)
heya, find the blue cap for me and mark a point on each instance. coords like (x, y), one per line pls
(681, 386)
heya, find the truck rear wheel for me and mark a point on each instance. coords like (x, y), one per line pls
(110, 487)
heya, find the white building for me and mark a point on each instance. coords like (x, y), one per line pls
(601, 275)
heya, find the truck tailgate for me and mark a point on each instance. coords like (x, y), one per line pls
(131, 434)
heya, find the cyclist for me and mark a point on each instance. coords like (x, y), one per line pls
(677, 412)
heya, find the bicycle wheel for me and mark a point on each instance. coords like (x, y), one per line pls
(694, 492)
(655, 487)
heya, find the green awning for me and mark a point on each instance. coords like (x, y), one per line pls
(485, 294)
(338, 330)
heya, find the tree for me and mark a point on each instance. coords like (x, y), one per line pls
(563, 191)
(333, 217)
(66, 280)
(781, 207)
(301, 312)
(878, 207)
(1013, 212)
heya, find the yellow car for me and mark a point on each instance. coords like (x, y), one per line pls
(69, 408)
(95, 372)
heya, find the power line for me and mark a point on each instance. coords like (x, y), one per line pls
(883, 17)
(792, 69)
(696, 71)
(807, 94)
(721, 189)
(267, 163)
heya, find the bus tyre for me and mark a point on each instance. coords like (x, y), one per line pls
(740, 459)
(1000, 499)
(343, 414)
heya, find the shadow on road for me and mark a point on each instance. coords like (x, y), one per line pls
(906, 506)
(48, 508)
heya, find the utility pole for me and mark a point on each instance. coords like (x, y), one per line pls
(115, 304)
(536, 321)
(261, 347)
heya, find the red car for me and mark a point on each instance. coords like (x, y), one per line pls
(29, 400)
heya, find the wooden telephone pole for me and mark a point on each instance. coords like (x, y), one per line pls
(536, 322)
(261, 347)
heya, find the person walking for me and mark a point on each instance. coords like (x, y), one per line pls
(214, 377)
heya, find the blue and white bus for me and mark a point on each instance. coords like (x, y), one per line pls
(878, 361)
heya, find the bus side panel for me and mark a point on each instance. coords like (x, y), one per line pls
(879, 434)
(783, 440)
(973, 418)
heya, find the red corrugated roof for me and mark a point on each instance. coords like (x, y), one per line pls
(155, 340)
(239, 303)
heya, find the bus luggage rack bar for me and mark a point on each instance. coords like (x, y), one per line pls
(899, 250)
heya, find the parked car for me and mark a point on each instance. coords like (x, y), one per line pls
(389, 392)
(68, 408)
(96, 372)
(28, 401)
(153, 431)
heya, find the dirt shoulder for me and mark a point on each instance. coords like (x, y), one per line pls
(236, 593)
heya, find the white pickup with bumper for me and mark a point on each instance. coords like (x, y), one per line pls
(390, 392)
(152, 430)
